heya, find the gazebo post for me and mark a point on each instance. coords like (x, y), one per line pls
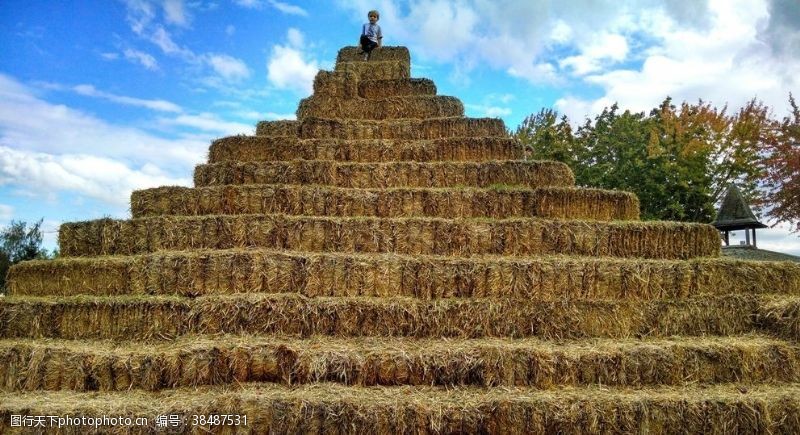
(754, 237)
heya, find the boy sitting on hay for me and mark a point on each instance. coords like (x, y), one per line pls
(371, 34)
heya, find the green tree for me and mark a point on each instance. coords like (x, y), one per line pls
(548, 137)
(678, 160)
(19, 243)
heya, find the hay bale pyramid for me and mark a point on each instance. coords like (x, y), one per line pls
(384, 264)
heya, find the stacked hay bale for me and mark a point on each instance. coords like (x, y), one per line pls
(386, 265)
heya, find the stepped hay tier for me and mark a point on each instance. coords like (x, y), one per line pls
(551, 202)
(384, 264)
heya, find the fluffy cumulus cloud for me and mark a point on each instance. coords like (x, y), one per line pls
(730, 57)
(101, 178)
(632, 52)
(57, 148)
(288, 67)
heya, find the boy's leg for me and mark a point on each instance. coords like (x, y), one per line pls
(371, 46)
(365, 43)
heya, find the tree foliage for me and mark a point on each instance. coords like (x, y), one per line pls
(678, 159)
(782, 184)
(19, 243)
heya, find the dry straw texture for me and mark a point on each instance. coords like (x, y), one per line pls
(261, 148)
(433, 128)
(425, 106)
(159, 318)
(354, 54)
(548, 202)
(782, 316)
(458, 237)
(390, 174)
(336, 84)
(376, 69)
(331, 408)
(198, 273)
(278, 128)
(382, 266)
(198, 360)
(395, 88)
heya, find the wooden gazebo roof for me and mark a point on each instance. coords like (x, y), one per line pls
(735, 214)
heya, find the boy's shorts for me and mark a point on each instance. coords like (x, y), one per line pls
(367, 44)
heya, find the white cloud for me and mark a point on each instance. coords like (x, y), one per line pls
(209, 122)
(35, 125)
(228, 67)
(158, 105)
(230, 29)
(6, 213)
(546, 41)
(777, 239)
(296, 38)
(724, 62)
(142, 58)
(110, 56)
(142, 20)
(488, 111)
(160, 37)
(287, 8)
(139, 14)
(249, 3)
(175, 12)
(606, 48)
(101, 178)
(269, 116)
(287, 67)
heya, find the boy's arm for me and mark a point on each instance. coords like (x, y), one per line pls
(380, 36)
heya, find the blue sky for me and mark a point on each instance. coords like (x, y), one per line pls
(100, 98)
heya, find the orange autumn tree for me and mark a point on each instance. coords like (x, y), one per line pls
(782, 170)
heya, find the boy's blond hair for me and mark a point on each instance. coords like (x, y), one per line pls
(374, 12)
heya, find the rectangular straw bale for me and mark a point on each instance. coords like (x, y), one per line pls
(83, 317)
(103, 275)
(508, 174)
(196, 360)
(261, 148)
(573, 203)
(158, 317)
(395, 88)
(336, 84)
(283, 128)
(407, 107)
(331, 408)
(780, 315)
(355, 54)
(458, 237)
(377, 69)
(436, 128)
(426, 277)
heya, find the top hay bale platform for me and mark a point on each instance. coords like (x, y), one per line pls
(413, 273)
